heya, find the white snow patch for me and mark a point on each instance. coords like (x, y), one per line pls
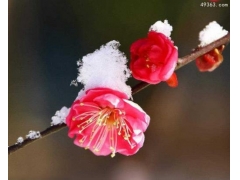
(60, 116)
(20, 140)
(212, 32)
(74, 83)
(105, 67)
(162, 27)
(80, 94)
(33, 135)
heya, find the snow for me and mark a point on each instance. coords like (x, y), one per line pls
(81, 93)
(74, 83)
(162, 27)
(212, 32)
(33, 135)
(20, 140)
(105, 67)
(60, 116)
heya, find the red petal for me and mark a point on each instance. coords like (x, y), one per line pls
(172, 81)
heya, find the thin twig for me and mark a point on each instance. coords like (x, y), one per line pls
(140, 86)
(44, 133)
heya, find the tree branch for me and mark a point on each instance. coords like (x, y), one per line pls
(140, 86)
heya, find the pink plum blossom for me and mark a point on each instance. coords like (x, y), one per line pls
(106, 122)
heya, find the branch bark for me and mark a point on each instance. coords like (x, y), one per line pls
(140, 86)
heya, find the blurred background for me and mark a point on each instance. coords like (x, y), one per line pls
(188, 136)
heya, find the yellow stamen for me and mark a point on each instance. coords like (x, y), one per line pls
(112, 155)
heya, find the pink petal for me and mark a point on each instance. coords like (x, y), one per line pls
(109, 100)
(136, 117)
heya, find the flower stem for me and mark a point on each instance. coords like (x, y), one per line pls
(140, 86)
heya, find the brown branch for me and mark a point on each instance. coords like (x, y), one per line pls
(44, 133)
(140, 86)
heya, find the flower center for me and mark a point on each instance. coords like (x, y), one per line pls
(111, 119)
(150, 65)
(107, 124)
